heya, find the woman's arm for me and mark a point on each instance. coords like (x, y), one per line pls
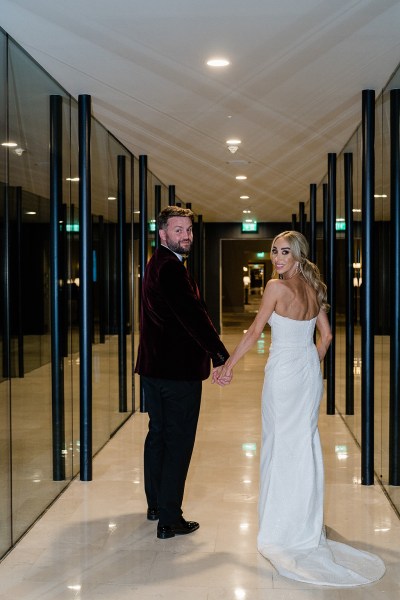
(325, 334)
(223, 375)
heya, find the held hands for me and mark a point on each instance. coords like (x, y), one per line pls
(222, 375)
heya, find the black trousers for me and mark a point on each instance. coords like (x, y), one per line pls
(173, 408)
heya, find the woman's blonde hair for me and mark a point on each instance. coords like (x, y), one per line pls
(299, 249)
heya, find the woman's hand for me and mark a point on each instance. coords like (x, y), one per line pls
(222, 375)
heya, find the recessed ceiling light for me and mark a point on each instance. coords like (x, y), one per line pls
(9, 144)
(244, 197)
(72, 178)
(111, 198)
(357, 210)
(247, 212)
(241, 177)
(218, 62)
(380, 195)
(30, 212)
(234, 141)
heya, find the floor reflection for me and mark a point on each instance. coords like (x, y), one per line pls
(95, 542)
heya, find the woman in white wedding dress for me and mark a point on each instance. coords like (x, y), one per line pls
(291, 531)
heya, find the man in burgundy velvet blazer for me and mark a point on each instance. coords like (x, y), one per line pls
(177, 341)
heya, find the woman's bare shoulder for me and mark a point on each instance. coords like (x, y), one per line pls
(273, 282)
(277, 284)
(275, 287)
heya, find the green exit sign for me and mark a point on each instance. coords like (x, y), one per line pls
(249, 227)
(340, 226)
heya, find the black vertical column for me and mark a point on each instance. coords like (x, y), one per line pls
(157, 209)
(85, 287)
(191, 262)
(20, 329)
(171, 195)
(325, 222)
(302, 218)
(313, 222)
(349, 239)
(367, 312)
(331, 283)
(143, 239)
(56, 276)
(5, 249)
(64, 291)
(294, 222)
(143, 217)
(200, 257)
(133, 278)
(5, 281)
(122, 276)
(394, 414)
(94, 261)
(102, 278)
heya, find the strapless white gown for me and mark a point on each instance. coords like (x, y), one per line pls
(291, 533)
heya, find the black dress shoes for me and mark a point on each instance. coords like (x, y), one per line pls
(153, 514)
(181, 528)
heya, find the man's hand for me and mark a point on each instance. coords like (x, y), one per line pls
(222, 375)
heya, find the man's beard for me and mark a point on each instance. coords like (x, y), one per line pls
(176, 247)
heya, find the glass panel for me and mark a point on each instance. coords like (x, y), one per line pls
(33, 487)
(383, 206)
(27, 165)
(382, 288)
(381, 270)
(354, 421)
(5, 436)
(106, 413)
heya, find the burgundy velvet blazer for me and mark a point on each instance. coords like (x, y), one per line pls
(177, 337)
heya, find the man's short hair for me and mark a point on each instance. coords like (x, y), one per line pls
(173, 211)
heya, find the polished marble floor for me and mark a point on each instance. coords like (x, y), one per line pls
(95, 543)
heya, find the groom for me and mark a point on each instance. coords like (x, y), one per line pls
(177, 341)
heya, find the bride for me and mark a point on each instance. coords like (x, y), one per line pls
(291, 531)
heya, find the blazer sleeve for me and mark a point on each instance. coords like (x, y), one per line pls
(183, 298)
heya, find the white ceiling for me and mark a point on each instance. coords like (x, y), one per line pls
(292, 92)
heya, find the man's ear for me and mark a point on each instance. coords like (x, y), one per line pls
(161, 233)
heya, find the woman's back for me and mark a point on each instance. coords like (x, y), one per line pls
(297, 299)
